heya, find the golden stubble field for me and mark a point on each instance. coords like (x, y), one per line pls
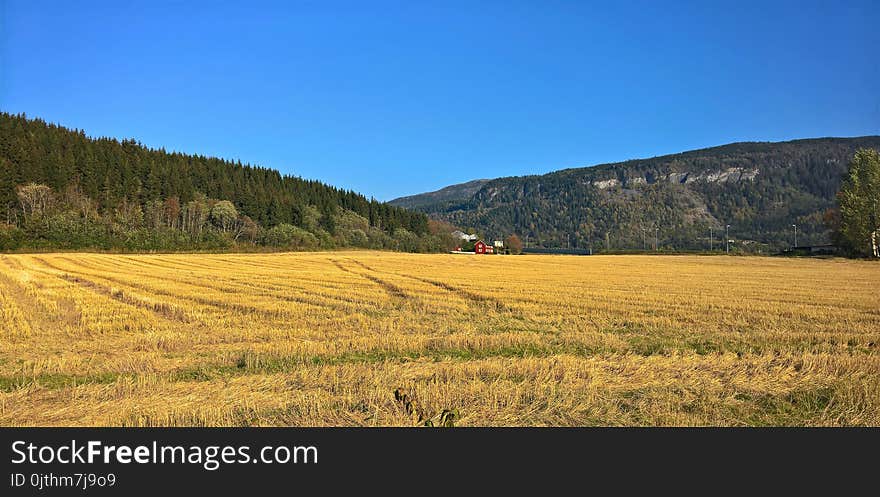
(370, 338)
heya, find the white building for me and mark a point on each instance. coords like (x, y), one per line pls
(464, 236)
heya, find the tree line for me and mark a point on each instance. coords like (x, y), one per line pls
(62, 189)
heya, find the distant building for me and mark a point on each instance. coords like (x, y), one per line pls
(481, 248)
(463, 236)
(499, 244)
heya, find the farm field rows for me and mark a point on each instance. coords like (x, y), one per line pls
(336, 338)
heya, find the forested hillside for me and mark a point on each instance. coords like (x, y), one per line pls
(62, 188)
(759, 189)
(444, 196)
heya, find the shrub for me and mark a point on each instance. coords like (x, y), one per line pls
(289, 236)
(10, 237)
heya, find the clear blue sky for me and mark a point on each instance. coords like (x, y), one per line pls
(395, 98)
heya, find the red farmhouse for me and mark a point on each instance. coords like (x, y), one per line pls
(481, 248)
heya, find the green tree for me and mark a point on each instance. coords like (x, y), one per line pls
(859, 200)
(407, 241)
(289, 236)
(224, 214)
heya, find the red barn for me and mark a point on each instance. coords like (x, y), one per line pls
(481, 248)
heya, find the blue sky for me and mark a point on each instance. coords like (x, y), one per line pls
(395, 98)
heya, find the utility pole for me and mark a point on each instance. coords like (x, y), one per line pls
(710, 238)
(644, 240)
(795, 234)
(656, 233)
(727, 239)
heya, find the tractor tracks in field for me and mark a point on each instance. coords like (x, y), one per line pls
(40, 315)
(484, 302)
(237, 288)
(232, 289)
(232, 285)
(395, 292)
(78, 279)
(160, 309)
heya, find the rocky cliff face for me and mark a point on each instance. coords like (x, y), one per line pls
(730, 174)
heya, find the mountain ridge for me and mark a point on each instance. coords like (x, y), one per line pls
(756, 185)
(451, 192)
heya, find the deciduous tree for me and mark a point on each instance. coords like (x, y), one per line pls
(224, 214)
(513, 244)
(859, 200)
(35, 199)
